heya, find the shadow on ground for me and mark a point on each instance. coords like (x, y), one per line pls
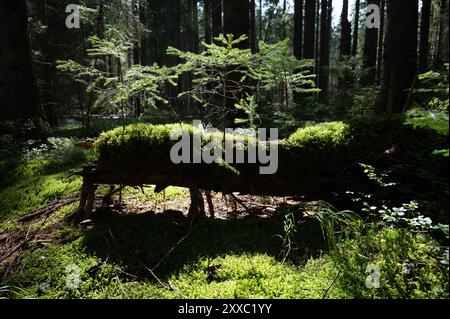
(135, 240)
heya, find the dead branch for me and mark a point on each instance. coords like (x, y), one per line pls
(48, 209)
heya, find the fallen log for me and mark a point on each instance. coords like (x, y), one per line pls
(50, 208)
(314, 161)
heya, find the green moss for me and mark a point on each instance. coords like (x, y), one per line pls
(321, 135)
(326, 151)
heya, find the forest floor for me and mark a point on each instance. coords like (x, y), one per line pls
(144, 246)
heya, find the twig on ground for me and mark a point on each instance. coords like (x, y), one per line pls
(331, 285)
(237, 200)
(169, 287)
(50, 208)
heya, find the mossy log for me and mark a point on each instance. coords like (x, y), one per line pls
(313, 161)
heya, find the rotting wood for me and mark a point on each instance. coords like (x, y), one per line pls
(53, 207)
(262, 185)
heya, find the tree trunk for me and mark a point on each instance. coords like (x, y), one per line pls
(324, 53)
(194, 26)
(298, 28)
(253, 37)
(442, 42)
(19, 97)
(316, 46)
(346, 31)
(381, 42)
(260, 20)
(356, 27)
(283, 14)
(424, 35)
(207, 20)
(370, 52)
(44, 69)
(310, 27)
(143, 19)
(236, 20)
(400, 56)
(216, 17)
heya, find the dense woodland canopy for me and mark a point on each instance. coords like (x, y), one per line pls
(348, 57)
(357, 88)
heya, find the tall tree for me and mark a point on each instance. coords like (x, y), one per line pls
(310, 28)
(442, 41)
(143, 20)
(380, 41)
(356, 27)
(253, 36)
(424, 35)
(216, 17)
(19, 97)
(44, 70)
(324, 53)
(207, 20)
(346, 31)
(194, 23)
(236, 19)
(400, 56)
(260, 12)
(283, 14)
(298, 28)
(370, 51)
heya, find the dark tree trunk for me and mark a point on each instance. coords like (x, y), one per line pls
(381, 41)
(298, 37)
(253, 37)
(442, 43)
(346, 31)
(137, 42)
(194, 24)
(329, 28)
(207, 20)
(137, 56)
(316, 44)
(283, 14)
(19, 97)
(356, 27)
(370, 52)
(260, 20)
(324, 50)
(236, 19)
(310, 27)
(400, 56)
(44, 70)
(424, 35)
(143, 19)
(216, 17)
(298, 28)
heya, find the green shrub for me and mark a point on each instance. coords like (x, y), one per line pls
(409, 265)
